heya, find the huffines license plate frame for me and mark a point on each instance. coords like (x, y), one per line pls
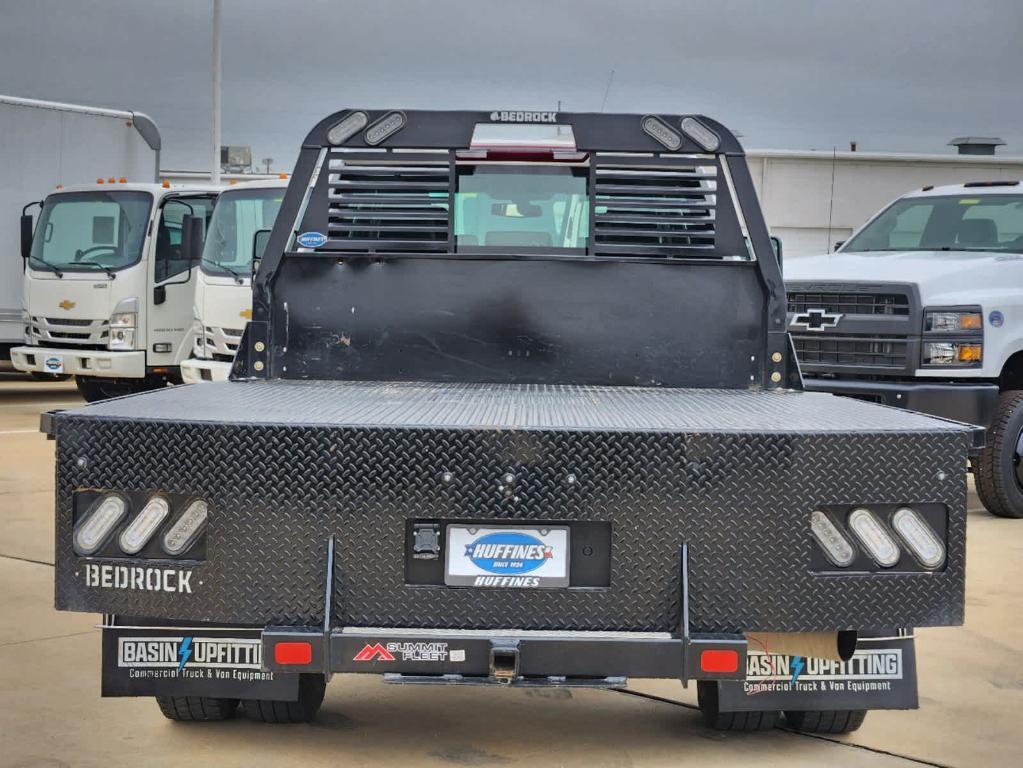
(508, 557)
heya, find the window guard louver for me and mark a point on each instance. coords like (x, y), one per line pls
(387, 201)
(655, 206)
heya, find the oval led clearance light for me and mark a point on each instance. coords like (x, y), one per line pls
(99, 522)
(347, 127)
(700, 133)
(874, 538)
(837, 548)
(918, 537)
(387, 125)
(140, 530)
(661, 131)
(186, 529)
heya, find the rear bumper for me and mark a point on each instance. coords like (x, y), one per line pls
(80, 362)
(466, 656)
(194, 371)
(966, 403)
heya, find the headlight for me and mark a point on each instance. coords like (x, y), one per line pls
(952, 353)
(121, 338)
(943, 321)
(123, 320)
(122, 331)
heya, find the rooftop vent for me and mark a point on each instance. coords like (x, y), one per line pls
(976, 145)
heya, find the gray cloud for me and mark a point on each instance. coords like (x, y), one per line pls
(895, 75)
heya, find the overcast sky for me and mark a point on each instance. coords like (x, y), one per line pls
(894, 75)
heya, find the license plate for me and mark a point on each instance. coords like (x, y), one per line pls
(507, 557)
(53, 364)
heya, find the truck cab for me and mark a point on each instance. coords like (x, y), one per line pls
(242, 219)
(108, 285)
(922, 309)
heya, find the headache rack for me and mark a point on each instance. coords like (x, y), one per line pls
(482, 192)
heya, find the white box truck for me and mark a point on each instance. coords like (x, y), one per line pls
(237, 234)
(44, 145)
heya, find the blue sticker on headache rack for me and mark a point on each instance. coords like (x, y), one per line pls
(312, 239)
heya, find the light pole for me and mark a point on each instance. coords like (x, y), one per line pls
(215, 169)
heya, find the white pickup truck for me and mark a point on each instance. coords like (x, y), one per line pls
(922, 308)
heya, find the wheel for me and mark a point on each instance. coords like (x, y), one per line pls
(707, 697)
(96, 388)
(196, 709)
(828, 721)
(310, 697)
(999, 475)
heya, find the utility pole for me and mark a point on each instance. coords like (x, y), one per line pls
(215, 169)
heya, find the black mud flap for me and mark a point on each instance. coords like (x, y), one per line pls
(190, 661)
(880, 675)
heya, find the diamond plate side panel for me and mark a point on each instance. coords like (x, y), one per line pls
(741, 501)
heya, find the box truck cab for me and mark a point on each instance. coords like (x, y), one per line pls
(108, 284)
(241, 223)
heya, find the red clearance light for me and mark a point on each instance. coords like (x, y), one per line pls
(719, 661)
(293, 653)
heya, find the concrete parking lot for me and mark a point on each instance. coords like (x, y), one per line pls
(971, 679)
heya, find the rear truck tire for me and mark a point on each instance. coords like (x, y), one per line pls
(999, 471)
(707, 697)
(826, 721)
(96, 388)
(197, 709)
(310, 696)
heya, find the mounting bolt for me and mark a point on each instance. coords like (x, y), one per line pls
(570, 479)
(942, 475)
(776, 357)
(508, 478)
(447, 477)
(775, 377)
(259, 346)
(82, 462)
(258, 365)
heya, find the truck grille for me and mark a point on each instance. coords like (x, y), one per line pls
(851, 303)
(859, 351)
(62, 331)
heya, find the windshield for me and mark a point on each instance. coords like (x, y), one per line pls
(521, 206)
(236, 219)
(89, 230)
(946, 223)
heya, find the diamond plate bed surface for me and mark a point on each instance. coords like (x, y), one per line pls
(734, 475)
(501, 406)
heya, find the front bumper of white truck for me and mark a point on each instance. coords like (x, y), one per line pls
(80, 362)
(195, 371)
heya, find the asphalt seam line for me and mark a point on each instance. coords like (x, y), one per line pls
(41, 639)
(26, 560)
(817, 736)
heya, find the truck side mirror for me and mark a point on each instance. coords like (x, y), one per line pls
(26, 235)
(259, 242)
(776, 247)
(197, 226)
(159, 294)
(191, 238)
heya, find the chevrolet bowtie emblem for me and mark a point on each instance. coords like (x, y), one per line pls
(67, 304)
(246, 313)
(816, 319)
